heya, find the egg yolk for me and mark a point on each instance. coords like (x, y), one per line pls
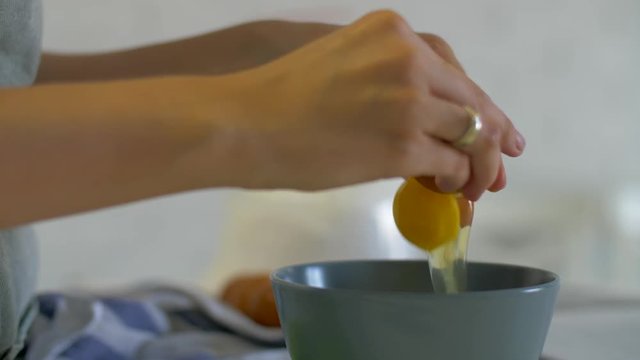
(428, 218)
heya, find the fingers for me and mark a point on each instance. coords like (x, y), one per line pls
(447, 122)
(498, 135)
(421, 72)
(444, 120)
(449, 167)
(511, 143)
(449, 84)
(485, 163)
(500, 181)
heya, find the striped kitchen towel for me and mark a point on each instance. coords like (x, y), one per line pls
(159, 322)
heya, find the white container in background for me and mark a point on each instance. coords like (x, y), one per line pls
(266, 230)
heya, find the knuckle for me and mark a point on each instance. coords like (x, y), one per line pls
(495, 123)
(488, 107)
(411, 59)
(437, 43)
(389, 19)
(408, 63)
(407, 100)
(489, 136)
(483, 96)
(480, 98)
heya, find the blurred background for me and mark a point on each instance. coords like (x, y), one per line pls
(566, 71)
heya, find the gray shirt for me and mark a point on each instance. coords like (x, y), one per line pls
(20, 40)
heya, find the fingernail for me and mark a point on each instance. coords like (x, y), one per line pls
(521, 143)
(471, 196)
(497, 188)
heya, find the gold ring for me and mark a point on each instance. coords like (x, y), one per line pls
(471, 133)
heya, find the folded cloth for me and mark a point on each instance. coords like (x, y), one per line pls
(150, 321)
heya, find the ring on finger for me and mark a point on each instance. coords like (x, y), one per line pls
(473, 129)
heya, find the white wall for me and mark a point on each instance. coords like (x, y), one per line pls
(565, 71)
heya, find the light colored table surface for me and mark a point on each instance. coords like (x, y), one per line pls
(592, 324)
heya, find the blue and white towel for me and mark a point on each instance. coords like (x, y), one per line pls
(148, 322)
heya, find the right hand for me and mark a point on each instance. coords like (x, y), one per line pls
(369, 101)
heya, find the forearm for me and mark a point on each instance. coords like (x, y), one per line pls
(225, 51)
(77, 147)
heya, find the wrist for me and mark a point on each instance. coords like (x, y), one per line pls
(218, 113)
(279, 37)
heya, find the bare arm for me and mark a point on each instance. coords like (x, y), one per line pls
(379, 103)
(74, 147)
(225, 51)
(233, 49)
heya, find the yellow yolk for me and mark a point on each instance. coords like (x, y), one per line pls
(429, 219)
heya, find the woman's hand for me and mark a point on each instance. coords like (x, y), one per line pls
(369, 101)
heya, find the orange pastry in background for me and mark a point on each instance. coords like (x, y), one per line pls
(253, 296)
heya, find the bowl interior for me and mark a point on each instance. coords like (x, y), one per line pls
(407, 276)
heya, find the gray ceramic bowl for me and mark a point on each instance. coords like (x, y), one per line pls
(386, 310)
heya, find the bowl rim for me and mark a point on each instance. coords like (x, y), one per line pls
(554, 283)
